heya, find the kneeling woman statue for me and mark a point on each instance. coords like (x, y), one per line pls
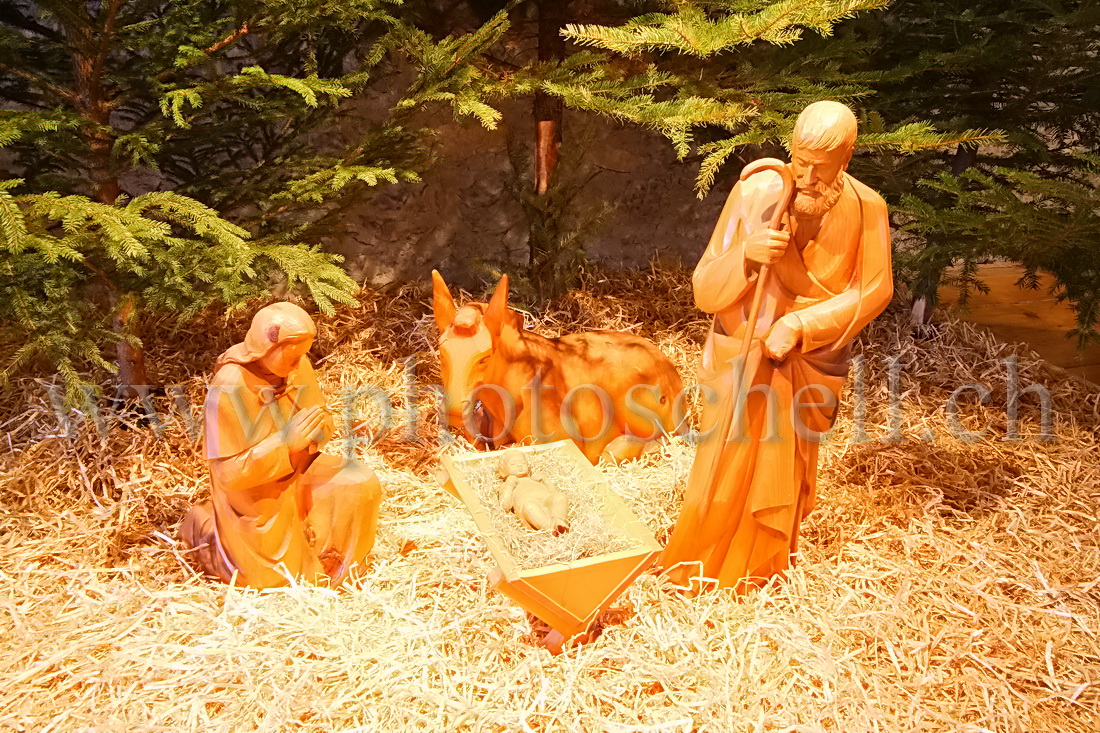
(279, 508)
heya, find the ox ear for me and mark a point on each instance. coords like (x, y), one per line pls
(498, 307)
(443, 305)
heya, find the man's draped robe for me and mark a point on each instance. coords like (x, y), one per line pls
(752, 483)
(276, 513)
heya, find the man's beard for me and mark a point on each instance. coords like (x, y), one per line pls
(807, 206)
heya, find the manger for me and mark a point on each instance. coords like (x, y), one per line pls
(565, 580)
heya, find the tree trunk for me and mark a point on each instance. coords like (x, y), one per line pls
(90, 47)
(130, 359)
(927, 289)
(132, 379)
(548, 109)
(541, 269)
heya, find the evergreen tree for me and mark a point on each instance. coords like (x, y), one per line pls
(166, 155)
(720, 79)
(170, 154)
(1031, 69)
(1044, 221)
(731, 75)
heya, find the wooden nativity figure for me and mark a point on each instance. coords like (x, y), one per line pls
(530, 495)
(612, 393)
(280, 508)
(798, 264)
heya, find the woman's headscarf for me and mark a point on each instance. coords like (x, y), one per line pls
(272, 325)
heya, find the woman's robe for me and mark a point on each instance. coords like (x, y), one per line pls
(274, 513)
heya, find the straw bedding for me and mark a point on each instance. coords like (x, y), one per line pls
(943, 584)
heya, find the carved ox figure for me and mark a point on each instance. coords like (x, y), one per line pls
(611, 393)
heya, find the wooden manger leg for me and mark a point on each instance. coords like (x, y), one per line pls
(563, 625)
(553, 642)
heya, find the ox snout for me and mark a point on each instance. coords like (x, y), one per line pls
(470, 420)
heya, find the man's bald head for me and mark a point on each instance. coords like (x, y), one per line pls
(825, 126)
(821, 148)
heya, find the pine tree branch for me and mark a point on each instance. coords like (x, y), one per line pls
(233, 37)
(61, 93)
(106, 37)
(108, 281)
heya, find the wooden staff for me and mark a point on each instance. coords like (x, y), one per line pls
(765, 164)
(742, 376)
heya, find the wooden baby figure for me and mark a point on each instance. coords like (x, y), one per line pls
(531, 496)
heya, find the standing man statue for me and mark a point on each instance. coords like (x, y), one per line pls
(817, 258)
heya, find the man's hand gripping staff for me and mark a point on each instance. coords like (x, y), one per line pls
(763, 249)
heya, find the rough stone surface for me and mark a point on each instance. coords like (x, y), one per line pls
(463, 210)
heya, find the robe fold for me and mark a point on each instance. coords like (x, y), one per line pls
(753, 480)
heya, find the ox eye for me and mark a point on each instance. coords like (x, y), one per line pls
(484, 360)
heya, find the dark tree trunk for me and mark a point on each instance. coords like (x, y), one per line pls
(547, 114)
(548, 109)
(90, 48)
(132, 379)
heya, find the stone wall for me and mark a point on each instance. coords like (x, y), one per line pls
(464, 210)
